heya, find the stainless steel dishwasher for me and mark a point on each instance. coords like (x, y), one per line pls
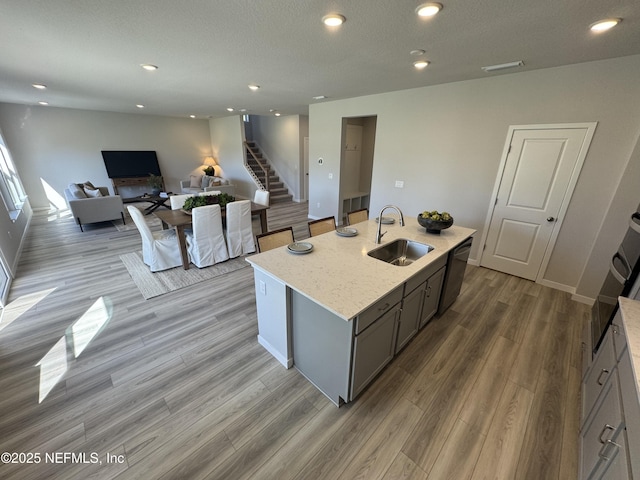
(456, 265)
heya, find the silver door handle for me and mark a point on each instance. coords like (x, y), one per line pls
(551, 219)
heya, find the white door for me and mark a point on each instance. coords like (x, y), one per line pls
(539, 169)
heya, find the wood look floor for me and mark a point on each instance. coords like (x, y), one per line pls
(177, 387)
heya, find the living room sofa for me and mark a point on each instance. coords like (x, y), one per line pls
(91, 209)
(203, 183)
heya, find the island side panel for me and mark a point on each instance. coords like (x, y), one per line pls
(322, 344)
(272, 301)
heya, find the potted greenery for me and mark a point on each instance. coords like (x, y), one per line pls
(155, 182)
(202, 200)
(210, 171)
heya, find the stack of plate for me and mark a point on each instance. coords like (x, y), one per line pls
(300, 248)
(346, 231)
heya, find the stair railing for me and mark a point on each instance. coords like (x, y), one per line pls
(265, 185)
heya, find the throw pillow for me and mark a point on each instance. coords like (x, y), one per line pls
(196, 181)
(76, 191)
(205, 181)
(89, 185)
(214, 181)
(92, 193)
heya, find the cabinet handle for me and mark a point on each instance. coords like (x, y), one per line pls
(604, 370)
(604, 430)
(615, 328)
(603, 454)
(384, 307)
(429, 291)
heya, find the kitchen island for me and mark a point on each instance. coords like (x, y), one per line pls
(338, 315)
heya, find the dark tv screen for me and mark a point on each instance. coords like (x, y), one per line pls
(130, 163)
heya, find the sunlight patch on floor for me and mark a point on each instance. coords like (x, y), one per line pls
(20, 305)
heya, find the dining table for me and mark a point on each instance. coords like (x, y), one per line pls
(179, 220)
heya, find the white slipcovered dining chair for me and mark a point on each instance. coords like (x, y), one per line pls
(261, 197)
(177, 201)
(160, 249)
(239, 232)
(205, 241)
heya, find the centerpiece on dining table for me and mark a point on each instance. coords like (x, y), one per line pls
(202, 200)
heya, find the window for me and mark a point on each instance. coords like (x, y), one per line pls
(11, 188)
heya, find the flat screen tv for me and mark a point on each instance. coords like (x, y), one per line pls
(138, 163)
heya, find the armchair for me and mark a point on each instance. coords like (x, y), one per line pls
(94, 209)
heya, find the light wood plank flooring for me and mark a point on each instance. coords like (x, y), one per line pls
(177, 387)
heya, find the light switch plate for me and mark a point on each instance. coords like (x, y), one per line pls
(399, 184)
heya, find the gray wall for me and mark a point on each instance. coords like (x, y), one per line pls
(57, 146)
(445, 143)
(227, 137)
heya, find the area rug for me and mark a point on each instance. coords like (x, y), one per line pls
(153, 284)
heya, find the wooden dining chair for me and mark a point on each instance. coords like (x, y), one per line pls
(358, 216)
(323, 225)
(274, 239)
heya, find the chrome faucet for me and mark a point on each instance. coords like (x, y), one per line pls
(378, 234)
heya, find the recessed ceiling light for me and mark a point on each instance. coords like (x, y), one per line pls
(604, 25)
(43, 103)
(319, 97)
(333, 20)
(149, 67)
(229, 109)
(428, 9)
(417, 52)
(503, 66)
(243, 109)
(39, 86)
(140, 105)
(420, 64)
(254, 87)
(192, 116)
(277, 114)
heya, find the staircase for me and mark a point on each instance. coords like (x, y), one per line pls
(278, 193)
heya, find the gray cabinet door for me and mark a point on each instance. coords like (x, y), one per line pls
(432, 296)
(595, 381)
(603, 438)
(373, 348)
(409, 317)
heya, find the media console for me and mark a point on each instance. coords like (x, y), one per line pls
(131, 182)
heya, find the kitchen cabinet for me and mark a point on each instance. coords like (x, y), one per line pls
(420, 302)
(432, 291)
(601, 369)
(408, 324)
(611, 410)
(603, 437)
(373, 349)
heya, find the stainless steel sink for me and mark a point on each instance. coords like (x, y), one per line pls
(401, 252)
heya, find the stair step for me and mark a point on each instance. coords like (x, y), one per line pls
(258, 164)
(280, 198)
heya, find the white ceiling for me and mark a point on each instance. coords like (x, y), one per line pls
(89, 52)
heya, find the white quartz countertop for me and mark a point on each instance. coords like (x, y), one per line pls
(630, 310)
(340, 276)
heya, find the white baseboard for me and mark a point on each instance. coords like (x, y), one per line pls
(286, 362)
(583, 299)
(557, 286)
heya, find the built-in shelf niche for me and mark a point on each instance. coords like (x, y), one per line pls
(356, 165)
